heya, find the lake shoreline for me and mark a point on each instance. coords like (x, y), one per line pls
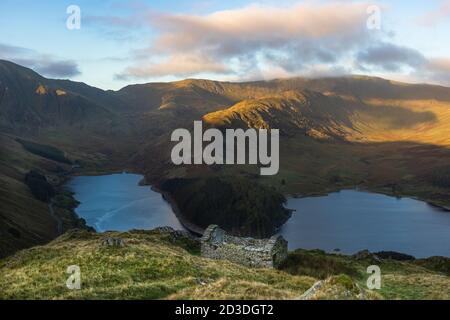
(369, 190)
(351, 220)
(123, 202)
(191, 227)
(198, 231)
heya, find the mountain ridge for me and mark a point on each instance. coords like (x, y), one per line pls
(337, 133)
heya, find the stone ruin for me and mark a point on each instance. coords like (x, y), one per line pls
(258, 253)
(113, 242)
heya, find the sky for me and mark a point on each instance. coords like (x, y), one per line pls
(124, 42)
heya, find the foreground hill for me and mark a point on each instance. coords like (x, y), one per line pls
(163, 264)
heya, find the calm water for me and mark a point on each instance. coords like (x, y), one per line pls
(348, 220)
(117, 202)
(353, 220)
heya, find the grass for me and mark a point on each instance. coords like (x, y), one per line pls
(150, 266)
(418, 279)
(156, 265)
(316, 263)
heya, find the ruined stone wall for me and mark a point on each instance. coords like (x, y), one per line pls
(265, 253)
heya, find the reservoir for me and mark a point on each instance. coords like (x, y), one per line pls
(117, 202)
(346, 221)
(351, 220)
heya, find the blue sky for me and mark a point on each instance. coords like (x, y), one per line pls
(123, 42)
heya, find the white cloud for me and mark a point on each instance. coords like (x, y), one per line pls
(234, 40)
(312, 38)
(179, 64)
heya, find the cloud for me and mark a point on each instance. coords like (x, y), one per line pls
(436, 16)
(6, 50)
(233, 41)
(402, 60)
(261, 42)
(438, 69)
(390, 57)
(44, 64)
(179, 64)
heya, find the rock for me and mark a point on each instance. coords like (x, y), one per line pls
(164, 229)
(113, 242)
(262, 253)
(201, 281)
(311, 291)
(366, 255)
(175, 234)
(338, 288)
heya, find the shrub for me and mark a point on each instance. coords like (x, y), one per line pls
(45, 151)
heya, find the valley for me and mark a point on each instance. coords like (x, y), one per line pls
(335, 133)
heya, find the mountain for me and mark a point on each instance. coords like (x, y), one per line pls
(309, 112)
(29, 102)
(347, 117)
(337, 133)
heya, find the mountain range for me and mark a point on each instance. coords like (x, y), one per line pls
(336, 133)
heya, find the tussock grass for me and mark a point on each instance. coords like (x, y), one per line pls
(149, 266)
(155, 265)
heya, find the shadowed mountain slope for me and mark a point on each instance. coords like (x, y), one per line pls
(336, 133)
(29, 102)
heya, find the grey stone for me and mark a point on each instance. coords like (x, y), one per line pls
(258, 253)
(113, 242)
(366, 254)
(311, 291)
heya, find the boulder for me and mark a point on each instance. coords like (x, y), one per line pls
(113, 242)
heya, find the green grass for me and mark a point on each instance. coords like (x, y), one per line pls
(318, 264)
(150, 266)
(156, 265)
(418, 279)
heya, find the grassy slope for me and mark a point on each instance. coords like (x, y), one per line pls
(418, 279)
(154, 266)
(149, 266)
(24, 220)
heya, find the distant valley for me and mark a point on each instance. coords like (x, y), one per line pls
(336, 133)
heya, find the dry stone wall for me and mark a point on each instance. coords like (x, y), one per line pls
(262, 253)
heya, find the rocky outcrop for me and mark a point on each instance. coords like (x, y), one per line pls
(340, 287)
(113, 242)
(263, 253)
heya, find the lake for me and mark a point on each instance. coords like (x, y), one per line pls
(118, 202)
(349, 220)
(353, 220)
